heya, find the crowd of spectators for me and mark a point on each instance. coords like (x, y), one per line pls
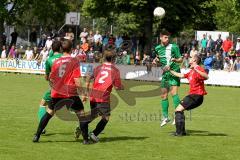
(219, 54)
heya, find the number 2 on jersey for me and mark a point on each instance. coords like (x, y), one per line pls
(104, 75)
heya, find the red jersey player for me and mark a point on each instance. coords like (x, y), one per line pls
(104, 78)
(196, 78)
(65, 82)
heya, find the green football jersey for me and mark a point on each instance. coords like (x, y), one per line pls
(166, 53)
(49, 62)
(51, 53)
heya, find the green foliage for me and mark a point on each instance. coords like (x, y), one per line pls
(227, 15)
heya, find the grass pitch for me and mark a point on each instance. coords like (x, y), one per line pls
(133, 131)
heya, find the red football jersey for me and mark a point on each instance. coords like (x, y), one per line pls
(105, 77)
(62, 77)
(196, 81)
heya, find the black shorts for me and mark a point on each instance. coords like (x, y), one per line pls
(192, 101)
(100, 108)
(72, 103)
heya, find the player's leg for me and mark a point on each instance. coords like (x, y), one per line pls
(43, 105)
(174, 82)
(103, 110)
(42, 109)
(165, 105)
(45, 119)
(78, 107)
(189, 102)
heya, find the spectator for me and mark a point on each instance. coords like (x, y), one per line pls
(193, 52)
(3, 54)
(218, 44)
(185, 63)
(33, 37)
(137, 58)
(97, 46)
(97, 37)
(226, 46)
(83, 35)
(184, 49)
(35, 53)
(210, 44)
(238, 47)
(28, 54)
(12, 52)
(48, 44)
(105, 41)
(42, 41)
(90, 55)
(111, 40)
(118, 42)
(76, 51)
(228, 64)
(14, 36)
(236, 64)
(208, 62)
(193, 42)
(43, 55)
(232, 54)
(69, 35)
(204, 44)
(82, 56)
(218, 62)
(85, 45)
(90, 38)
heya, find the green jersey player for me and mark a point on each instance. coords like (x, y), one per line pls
(169, 56)
(48, 65)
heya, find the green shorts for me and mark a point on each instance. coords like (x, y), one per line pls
(47, 96)
(169, 80)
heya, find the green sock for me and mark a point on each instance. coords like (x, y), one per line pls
(176, 100)
(41, 112)
(165, 105)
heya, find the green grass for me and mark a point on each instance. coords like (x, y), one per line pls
(133, 131)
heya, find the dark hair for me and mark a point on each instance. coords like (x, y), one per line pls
(197, 58)
(67, 46)
(56, 46)
(164, 33)
(109, 55)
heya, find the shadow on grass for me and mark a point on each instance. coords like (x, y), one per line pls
(102, 140)
(204, 133)
(123, 138)
(52, 134)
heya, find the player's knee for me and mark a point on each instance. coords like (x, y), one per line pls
(51, 112)
(179, 108)
(105, 118)
(43, 102)
(164, 96)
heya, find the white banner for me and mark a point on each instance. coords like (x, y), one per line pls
(222, 78)
(22, 66)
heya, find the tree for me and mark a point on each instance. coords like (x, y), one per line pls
(137, 16)
(227, 15)
(10, 10)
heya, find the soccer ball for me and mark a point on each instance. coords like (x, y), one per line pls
(159, 12)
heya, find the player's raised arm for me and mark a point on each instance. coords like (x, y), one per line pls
(180, 75)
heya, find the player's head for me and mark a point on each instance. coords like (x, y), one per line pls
(164, 37)
(66, 46)
(56, 46)
(195, 60)
(109, 56)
